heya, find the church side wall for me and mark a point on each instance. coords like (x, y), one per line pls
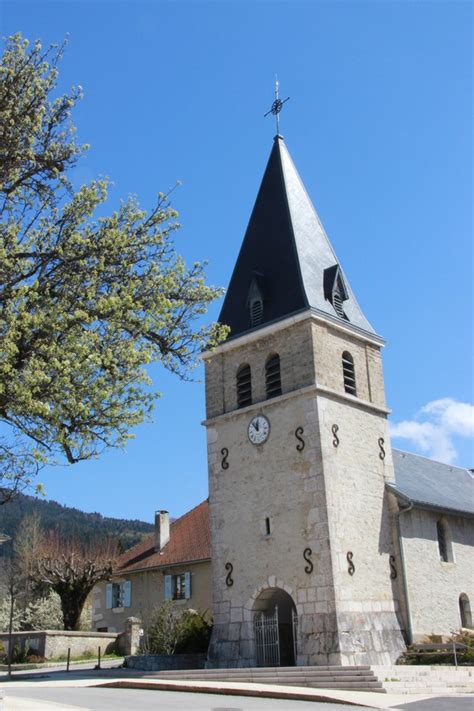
(434, 586)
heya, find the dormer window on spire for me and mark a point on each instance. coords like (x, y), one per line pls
(255, 301)
(335, 290)
(256, 312)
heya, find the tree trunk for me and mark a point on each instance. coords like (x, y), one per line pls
(71, 606)
(10, 632)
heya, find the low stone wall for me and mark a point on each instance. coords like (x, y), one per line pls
(165, 662)
(51, 644)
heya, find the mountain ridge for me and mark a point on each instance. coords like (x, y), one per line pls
(70, 521)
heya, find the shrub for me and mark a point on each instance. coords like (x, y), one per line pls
(196, 633)
(39, 614)
(441, 656)
(173, 630)
(34, 659)
(18, 654)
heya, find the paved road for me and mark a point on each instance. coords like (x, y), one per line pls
(440, 703)
(100, 699)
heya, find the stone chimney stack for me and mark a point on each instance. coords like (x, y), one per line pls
(162, 529)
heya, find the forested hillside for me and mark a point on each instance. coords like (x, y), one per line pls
(70, 521)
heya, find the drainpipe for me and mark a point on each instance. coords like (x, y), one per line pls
(401, 511)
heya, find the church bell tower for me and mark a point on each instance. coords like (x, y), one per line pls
(298, 451)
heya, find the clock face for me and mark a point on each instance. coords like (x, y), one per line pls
(259, 429)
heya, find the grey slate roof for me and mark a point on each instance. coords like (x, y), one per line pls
(432, 485)
(286, 248)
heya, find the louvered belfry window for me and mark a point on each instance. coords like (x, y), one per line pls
(244, 386)
(273, 376)
(348, 371)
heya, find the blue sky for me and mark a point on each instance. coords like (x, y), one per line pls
(379, 126)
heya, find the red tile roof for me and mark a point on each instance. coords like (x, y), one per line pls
(190, 540)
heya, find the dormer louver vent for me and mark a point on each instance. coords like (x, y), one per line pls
(335, 290)
(255, 301)
(337, 303)
(256, 312)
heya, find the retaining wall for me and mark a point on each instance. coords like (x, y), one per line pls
(165, 662)
(54, 643)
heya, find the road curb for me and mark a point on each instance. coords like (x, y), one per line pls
(301, 695)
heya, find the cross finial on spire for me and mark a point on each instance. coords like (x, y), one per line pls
(277, 106)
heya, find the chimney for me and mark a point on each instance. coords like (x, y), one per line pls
(162, 529)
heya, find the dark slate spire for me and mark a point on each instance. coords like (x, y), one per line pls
(286, 263)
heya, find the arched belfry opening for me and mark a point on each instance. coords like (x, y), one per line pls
(275, 629)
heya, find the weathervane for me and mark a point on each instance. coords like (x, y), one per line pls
(277, 106)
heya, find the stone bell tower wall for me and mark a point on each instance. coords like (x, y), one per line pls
(327, 498)
(357, 461)
(291, 339)
(274, 481)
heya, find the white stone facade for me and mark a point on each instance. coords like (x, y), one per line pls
(328, 498)
(434, 586)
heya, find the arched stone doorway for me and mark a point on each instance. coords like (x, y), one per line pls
(275, 628)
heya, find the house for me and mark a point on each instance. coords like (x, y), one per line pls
(174, 563)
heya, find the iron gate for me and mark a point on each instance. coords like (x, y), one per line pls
(294, 622)
(267, 638)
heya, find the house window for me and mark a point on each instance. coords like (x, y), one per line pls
(348, 372)
(465, 611)
(118, 594)
(178, 587)
(273, 376)
(244, 386)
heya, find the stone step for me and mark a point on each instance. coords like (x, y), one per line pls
(281, 675)
(286, 679)
(361, 680)
(275, 670)
(327, 683)
(426, 679)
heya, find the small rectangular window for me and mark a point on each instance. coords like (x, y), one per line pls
(442, 544)
(118, 594)
(267, 526)
(179, 586)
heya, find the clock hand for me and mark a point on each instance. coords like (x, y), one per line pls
(257, 425)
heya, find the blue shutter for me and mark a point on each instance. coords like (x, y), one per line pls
(108, 596)
(168, 590)
(127, 593)
(187, 585)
